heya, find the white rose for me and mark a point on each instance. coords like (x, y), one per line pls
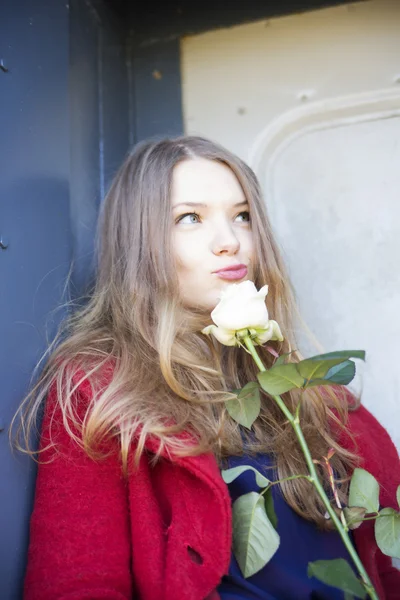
(242, 311)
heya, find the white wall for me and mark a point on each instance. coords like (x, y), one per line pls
(312, 102)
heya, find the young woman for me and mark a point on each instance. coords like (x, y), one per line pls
(129, 499)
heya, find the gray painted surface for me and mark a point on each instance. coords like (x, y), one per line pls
(100, 123)
(65, 130)
(156, 90)
(34, 217)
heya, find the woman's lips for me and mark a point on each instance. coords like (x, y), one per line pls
(233, 273)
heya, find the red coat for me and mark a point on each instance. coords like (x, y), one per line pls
(166, 533)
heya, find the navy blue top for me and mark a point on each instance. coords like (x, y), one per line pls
(284, 577)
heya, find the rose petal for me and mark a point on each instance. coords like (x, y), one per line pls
(243, 308)
(272, 332)
(277, 335)
(224, 336)
(208, 330)
(263, 291)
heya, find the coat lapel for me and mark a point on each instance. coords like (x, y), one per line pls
(200, 535)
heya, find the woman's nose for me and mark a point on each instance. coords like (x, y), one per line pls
(225, 241)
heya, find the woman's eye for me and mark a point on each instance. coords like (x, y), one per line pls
(188, 218)
(244, 216)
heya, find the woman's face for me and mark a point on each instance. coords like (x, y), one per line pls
(211, 231)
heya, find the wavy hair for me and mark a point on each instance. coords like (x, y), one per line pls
(151, 372)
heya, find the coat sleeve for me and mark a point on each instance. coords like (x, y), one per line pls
(380, 458)
(79, 545)
(390, 577)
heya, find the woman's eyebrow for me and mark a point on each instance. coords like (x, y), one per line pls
(196, 204)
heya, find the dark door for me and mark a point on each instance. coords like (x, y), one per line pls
(64, 130)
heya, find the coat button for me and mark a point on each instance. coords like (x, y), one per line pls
(194, 555)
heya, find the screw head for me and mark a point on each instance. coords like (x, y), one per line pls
(3, 243)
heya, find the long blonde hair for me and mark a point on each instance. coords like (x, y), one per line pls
(151, 371)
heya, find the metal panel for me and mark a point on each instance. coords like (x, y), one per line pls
(156, 90)
(34, 218)
(65, 130)
(99, 122)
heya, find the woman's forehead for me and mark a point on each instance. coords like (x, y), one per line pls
(205, 181)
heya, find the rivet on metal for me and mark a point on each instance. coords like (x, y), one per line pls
(3, 243)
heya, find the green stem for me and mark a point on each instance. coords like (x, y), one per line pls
(315, 480)
(374, 518)
(250, 346)
(290, 478)
(271, 483)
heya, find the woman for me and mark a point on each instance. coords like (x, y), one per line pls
(129, 499)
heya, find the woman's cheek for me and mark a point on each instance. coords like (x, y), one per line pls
(187, 252)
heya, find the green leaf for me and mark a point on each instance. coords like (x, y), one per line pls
(343, 354)
(398, 496)
(364, 491)
(348, 596)
(340, 374)
(354, 516)
(337, 573)
(333, 368)
(270, 508)
(281, 359)
(255, 541)
(228, 475)
(246, 407)
(311, 368)
(280, 379)
(387, 532)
